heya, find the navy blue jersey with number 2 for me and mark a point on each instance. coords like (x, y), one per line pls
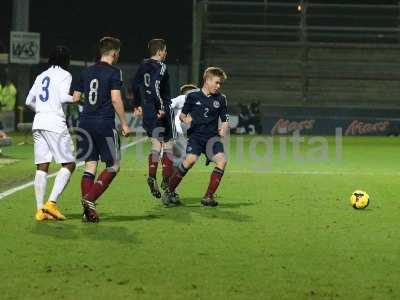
(206, 111)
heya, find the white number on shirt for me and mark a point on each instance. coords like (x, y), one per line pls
(147, 80)
(94, 85)
(206, 110)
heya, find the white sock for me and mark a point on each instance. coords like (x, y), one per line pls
(60, 183)
(40, 187)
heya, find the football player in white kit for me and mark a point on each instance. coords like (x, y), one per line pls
(50, 133)
(179, 148)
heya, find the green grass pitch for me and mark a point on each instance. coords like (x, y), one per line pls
(289, 233)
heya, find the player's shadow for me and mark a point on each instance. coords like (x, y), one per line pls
(129, 218)
(192, 206)
(109, 218)
(195, 202)
(60, 230)
(68, 230)
(103, 232)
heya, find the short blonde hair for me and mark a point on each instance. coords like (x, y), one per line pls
(214, 71)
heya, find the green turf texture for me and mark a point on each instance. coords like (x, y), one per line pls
(289, 233)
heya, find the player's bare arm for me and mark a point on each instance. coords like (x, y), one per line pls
(76, 97)
(187, 119)
(223, 129)
(119, 109)
(138, 112)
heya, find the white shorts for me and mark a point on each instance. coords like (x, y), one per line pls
(49, 145)
(179, 149)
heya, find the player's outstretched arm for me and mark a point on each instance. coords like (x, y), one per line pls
(119, 109)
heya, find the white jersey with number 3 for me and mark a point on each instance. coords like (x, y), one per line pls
(48, 93)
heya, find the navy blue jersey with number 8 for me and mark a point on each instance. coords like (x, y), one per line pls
(96, 83)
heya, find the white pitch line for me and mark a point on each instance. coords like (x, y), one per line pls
(80, 164)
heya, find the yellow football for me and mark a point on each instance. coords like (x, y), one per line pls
(359, 199)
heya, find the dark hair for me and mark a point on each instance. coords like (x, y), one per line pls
(156, 45)
(59, 56)
(187, 87)
(108, 44)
